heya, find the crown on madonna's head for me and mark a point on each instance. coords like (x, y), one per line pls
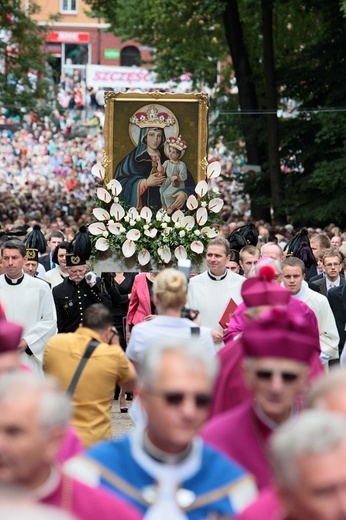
(176, 142)
(152, 118)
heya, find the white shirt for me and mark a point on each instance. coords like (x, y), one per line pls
(163, 328)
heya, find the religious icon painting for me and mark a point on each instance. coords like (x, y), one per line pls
(156, 146)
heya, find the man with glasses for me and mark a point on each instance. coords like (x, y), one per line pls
(332, 265)
(106, 367)
(260, 294)
(278, 348)
(165, 469)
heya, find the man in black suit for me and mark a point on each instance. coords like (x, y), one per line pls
(318, 243)
(55, 238)
(337, 301)
(332, 264)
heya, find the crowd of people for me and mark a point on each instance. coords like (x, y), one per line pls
(238, 404)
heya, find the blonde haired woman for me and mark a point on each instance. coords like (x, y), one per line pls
(170, 296)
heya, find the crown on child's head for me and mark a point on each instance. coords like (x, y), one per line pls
(152, 118)
(176, 142)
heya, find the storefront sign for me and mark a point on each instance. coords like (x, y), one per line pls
(68, 37)
(112, 54)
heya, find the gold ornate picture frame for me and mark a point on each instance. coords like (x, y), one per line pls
(184, 115)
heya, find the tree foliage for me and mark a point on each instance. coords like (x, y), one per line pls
(22, 61)
(281, 50)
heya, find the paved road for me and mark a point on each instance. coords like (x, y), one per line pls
(121, 422)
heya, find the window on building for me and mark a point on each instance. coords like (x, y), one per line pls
(68, 6)
(130, 56)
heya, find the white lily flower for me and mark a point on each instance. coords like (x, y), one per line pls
(144, 257)
(115, 187)
(97, 228)
(201, 216)
(188, 222)
(215, 205)
(165, 254)
(128, 248)
(209, 232)
(192, 203)
(213, 170)
(115, 228)
(101, 244)
(103, 195)
(197, 247)
(101, 214)
(151, 232)
(133, 213)
(98, 171)
(117, 211)
(201, 188)
(177, 215)
(133, 234)
(180, 253)
(146, 213)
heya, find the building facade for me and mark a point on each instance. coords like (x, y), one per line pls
(77, 40)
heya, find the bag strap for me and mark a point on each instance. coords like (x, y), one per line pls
(195, 331)
(87, 354)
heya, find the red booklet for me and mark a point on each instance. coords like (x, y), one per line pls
(227, 314)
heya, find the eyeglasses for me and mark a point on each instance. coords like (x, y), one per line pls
(331, 265)
(286, 376)
(177, 398)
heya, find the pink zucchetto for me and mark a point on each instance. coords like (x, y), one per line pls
(260, 290)
(10, 334)
(279, 333)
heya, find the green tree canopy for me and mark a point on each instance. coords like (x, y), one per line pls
(281, 50)
(22, 61)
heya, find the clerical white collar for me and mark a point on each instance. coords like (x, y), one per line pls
(300, 294)
(162, 456)
(267, 420)
(217, 278)
(49, 485)
(14, 281)
(165, 496)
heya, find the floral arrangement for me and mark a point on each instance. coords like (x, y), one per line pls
(162, 237)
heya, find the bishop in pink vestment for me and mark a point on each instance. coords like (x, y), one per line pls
(259, 294)
(277, 350)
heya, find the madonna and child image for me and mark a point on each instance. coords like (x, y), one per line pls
(153, 173)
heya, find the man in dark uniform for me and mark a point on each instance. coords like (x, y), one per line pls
(79, 290)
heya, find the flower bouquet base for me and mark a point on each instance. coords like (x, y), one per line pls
(131, 239)
(108, 262)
